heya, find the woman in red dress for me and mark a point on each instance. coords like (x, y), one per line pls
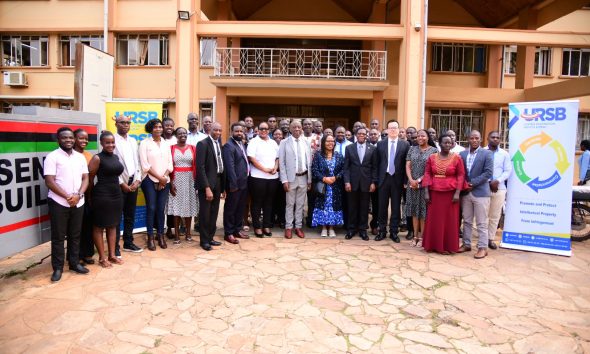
(443, 180)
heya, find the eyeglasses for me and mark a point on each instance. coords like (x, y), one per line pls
(124, 122)
(262, 129)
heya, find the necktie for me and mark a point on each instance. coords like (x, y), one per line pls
(218, 156)
(361, 152)
(299, 157)
(341, 148)
(391, 169)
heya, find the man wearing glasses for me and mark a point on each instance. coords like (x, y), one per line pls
(129, 180)
(272, 124)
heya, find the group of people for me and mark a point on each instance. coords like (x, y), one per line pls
(271, 173)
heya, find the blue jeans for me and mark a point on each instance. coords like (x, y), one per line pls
(155, 202)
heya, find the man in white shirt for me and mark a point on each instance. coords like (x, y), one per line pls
(66, 176)
(502, 170)
(194, 135)
(456, 147)
(341, 141)
(126, 149)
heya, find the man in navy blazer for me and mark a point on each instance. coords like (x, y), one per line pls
(391, 167)
(360, 180)
(236, 184)
(479, 166)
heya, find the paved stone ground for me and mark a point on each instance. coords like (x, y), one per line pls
(304, 296)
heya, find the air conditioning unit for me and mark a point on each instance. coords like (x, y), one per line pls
(15, 78)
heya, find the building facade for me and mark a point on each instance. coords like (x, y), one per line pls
(334, 60)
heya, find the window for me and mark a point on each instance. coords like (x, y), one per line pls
(67, 47)
(542, 60)
(7, 106)
(142, 49)
(165, 110)
(461, 121)
(208, 46)
(205, 109)
(67, 105)
(459, 57)
(24, 50)
(583, 128)
(504, 133)
(576, 62)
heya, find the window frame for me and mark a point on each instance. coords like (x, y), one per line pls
(142, 47)
(545, 53)
(207, 51)
(461, 61)
(67, 43)
(583, 128)
(443, 119)
(15, 54)
(581, 52)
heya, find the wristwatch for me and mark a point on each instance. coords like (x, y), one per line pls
(81, 195)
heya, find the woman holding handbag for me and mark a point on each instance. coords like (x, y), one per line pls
(327, 168)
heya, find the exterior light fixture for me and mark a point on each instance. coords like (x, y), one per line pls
(184, 15)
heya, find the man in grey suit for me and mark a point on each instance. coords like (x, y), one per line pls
(295, 174)
(479, 166)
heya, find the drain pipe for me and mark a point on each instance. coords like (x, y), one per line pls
(105, 29)
(424, 62)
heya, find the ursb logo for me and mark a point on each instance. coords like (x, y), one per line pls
(138, 117)
(544, 114)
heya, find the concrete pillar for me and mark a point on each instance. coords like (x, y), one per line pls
(410, 64)
(187, 60)
(525, 55)
(221, 109)
(234, 109)
(495, 72)
(376, 107)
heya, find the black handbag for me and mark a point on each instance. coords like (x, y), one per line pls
(319, 188)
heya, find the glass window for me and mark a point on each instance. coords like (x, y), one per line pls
(24, 50)
(142, 49)
(67, 45)
(208, 46)
(576, 62)
(542, 60)
(459, 57)
(583, 128)
(504, 133)
(461, 121)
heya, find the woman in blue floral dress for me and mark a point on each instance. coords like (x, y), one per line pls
(327, 168)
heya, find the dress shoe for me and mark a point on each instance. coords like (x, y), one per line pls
(242, 234)
(380, 237)
(231, 239)
(481, 253)
(410, 235)
(206, 246)
(56, 276)
(403, 227)
(492, 245)
(375, 231)
(288, 233)
(259, 235)
(215, 243)
(80, 269)
(151, 245)
(464, 248)
(299, 233)
(364, 236)
(394, 237)
(162, 242)
(349, 235)
(267, 232)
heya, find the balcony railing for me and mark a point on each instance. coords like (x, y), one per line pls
(306, 63)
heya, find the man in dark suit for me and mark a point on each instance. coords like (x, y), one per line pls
(236, 185)
(479, 168)
(210, 184)
(360, 179)
(391, 167)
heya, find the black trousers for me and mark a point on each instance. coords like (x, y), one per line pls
(262, 192)
(208, 211)
(280, 203)
(390, 192)
(375, 210)
(233, 211)
(310, 206)
(65, 223)
(129, 204)
(358, 211)
(86, 241)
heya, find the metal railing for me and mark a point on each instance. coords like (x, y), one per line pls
(307, 63)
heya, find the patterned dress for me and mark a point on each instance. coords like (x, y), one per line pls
(327, 215)
(185, 203)
(415, 204)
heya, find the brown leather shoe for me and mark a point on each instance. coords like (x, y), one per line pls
(375, 231)
(288, 233)
(242, 234)
(231, 239)
(464, 248)
(162, 242)
(481, 253)
(299, 233)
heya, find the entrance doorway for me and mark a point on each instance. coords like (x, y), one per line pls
(331, 116)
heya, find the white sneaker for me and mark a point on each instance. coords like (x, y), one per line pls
(324, 233)
(331, 233)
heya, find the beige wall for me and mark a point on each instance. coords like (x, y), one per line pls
(300, 10)
(33, 15)
(146, 14)
(206, 88)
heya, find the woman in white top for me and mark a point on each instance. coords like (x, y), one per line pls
(263, 153)
(156, 164)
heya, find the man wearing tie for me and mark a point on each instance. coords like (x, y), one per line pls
(236, 185)
(295, 174)
(391, 163)
(210, 184)
(360, 178)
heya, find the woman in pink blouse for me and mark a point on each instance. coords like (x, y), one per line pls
(156, 165)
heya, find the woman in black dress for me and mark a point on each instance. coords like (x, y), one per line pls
(106, 199)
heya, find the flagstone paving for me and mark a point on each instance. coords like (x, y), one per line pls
(304, 296)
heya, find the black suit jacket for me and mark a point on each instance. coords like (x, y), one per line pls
(401, 151)
(236, 166)
(360, 174)
(207, 166)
